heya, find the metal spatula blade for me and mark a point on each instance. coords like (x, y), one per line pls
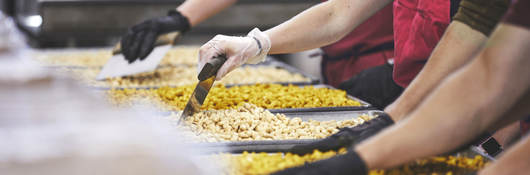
(206, 79)
(118, 66)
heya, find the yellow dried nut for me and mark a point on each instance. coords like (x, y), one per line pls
(263, 163)
(263, 95)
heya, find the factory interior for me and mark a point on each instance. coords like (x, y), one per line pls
(258, 87)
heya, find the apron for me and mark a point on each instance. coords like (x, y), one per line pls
(418, 26)
(370, 44)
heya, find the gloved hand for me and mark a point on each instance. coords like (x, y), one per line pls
(238, 50)
(346, 164)
(347, 136)
(140, 39)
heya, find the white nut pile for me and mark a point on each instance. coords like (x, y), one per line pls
(91, 58)
(250, 122)
(186, 75)
(163, 76)
(187, 55)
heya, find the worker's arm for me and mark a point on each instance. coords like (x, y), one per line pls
(463, 38)
(466, 104)
(455, 49)
(514, 161)
(199, 10)
(319, 25)
(139, 40)
(521, 109)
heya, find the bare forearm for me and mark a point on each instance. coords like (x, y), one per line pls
(456, 48)
(514, 161)
(519, 110)
(322, 24)
(414, 137)
(199, 10)
(467, 103)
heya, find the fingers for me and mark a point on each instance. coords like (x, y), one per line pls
(230, 64)
(139, 41)
(126, 42)
(225, 68)
(131, 53)
(209, 50)
(147, 45)
(236, 49)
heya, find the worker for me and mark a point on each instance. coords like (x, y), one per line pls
(463, 38)
(416, 33)
(489, 92)
(419, 33)
(369, 45)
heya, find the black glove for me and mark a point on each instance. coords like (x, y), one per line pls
(346, 164)
(140, 39)
(374, 85)
(346, 136)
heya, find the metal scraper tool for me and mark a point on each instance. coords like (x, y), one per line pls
(118, 66)
(206, 80)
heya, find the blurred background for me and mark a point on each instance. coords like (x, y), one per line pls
(100, 23)
(59, 23)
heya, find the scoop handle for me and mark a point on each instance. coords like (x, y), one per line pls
(210, 69)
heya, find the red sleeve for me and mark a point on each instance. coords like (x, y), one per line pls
(519, 13)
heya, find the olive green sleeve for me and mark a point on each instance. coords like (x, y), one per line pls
(481, 15)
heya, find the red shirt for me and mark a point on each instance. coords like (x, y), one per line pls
(374, 31)
(418, 26)
(347, 57)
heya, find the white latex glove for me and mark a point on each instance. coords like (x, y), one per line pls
(250, 49)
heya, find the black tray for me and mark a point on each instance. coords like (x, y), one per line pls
(283, 145)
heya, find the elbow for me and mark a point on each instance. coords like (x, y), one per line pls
(340, 21)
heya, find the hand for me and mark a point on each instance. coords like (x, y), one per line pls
(238, 50)
(140, 39)
(346, 164)
(346, 137)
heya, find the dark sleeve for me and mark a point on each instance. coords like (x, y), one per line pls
(482, 15)
(519, 13)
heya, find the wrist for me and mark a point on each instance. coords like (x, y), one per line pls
(182, 22)
(262, 43)
(393, 112)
